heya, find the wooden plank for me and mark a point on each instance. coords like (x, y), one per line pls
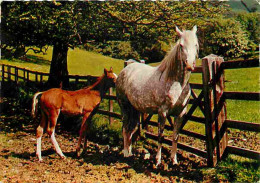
(243, 152)
(242, 125)
(197, 70)
(110, 105)
(240, 64)
(184, 132)
(182, 146)
(110, 97)
(197, 119)
(255, 96)
(196, 86)
(107, 113)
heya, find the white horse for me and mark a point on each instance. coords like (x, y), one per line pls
(163, 89)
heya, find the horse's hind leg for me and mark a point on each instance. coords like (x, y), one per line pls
(82, 134)
(51, 131)
(39, 133)
(130, 120)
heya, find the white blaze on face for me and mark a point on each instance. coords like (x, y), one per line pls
(189, 46)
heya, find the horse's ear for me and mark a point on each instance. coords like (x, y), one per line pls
(194, 29)
(111, 69)
(178, 31)
(105, 71)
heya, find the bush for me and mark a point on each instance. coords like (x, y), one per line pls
(227, 38)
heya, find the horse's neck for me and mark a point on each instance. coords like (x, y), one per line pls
(100, 86)
(173, 69)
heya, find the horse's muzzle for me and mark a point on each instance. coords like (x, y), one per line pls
(189, 67)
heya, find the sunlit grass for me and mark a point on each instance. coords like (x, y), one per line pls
(80, 62)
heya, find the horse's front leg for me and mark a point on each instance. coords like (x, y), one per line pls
(161, 123)
(176, 129)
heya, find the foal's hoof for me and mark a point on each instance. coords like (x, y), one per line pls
(127, 154)
(40, 160)
(63, 157)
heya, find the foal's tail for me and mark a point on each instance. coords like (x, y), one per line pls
(35, 104)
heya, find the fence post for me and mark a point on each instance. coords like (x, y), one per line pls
(219, 108)
(213, 109)
(208, 107)
(3, 73)
(110, 105)
(9, 73)
(16, 74)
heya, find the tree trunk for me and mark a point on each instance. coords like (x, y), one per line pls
(59, 70)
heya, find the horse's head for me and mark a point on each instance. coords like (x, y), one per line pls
(110, 76)
(189, 47)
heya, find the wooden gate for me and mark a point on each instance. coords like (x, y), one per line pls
(211, 102)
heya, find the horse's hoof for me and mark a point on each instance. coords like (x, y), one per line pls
(175, 163)
(40, 160)
(63, 157)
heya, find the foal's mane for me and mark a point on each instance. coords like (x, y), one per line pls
(171, 63)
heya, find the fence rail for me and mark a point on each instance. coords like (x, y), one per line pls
(9, 72)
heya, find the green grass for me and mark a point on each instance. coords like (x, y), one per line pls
(80, 62)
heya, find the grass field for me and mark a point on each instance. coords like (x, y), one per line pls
(80, 62)
(87, 63)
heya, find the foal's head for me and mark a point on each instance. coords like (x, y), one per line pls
(189, 47)
(110, 77)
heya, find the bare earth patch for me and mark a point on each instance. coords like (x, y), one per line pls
(101, 163)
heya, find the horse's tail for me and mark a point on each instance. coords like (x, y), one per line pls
(35, 104)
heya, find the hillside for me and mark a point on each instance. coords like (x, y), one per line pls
(239, 6)
(80, 62)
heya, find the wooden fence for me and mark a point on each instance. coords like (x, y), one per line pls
(38, 79)
(211, 101)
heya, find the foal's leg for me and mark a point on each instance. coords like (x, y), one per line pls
(39, 133)
(82, 133)
(161, 120)
(51, 131)
(176, 129)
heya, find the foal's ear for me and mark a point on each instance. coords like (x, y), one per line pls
(178, 31)
(111, 69)
(105, 71)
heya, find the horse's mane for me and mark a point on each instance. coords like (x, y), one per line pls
(170, 63)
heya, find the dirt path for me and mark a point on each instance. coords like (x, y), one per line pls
(101, 163)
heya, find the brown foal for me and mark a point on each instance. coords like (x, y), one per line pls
(83, 102)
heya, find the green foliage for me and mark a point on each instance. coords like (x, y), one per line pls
(227, 38)
(238, 169)
(250, 23)
(145, 24)
(103, 133)
(115, 49)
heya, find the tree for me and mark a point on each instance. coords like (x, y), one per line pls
(35, 25)
(146, 25)
(149, 26)
(227, 38)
